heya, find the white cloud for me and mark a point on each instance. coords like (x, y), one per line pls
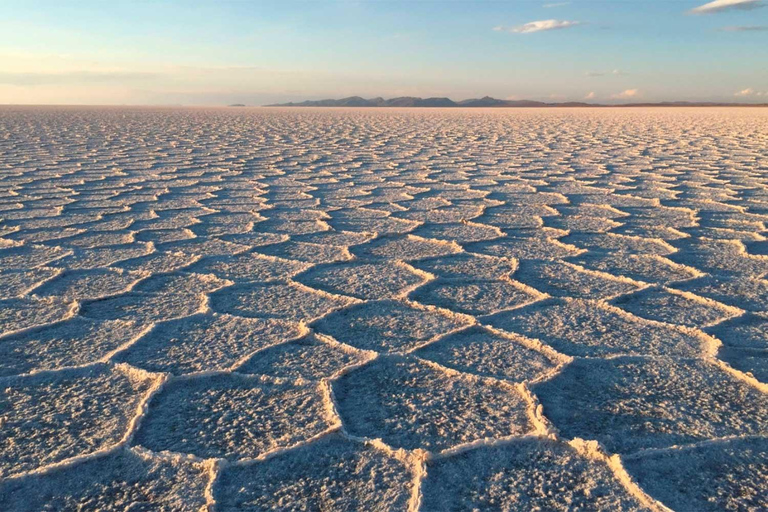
(556, 4)
(629, 93)
(722, 5)
(539, 26)
(590, 96)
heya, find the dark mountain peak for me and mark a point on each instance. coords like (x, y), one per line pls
(485, 101)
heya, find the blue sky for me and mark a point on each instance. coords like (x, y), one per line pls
(207, 53)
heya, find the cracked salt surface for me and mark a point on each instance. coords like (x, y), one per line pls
(208, 309)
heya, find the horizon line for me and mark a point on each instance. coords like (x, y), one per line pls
(666, 103)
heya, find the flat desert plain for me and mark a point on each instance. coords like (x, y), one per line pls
(298, 309)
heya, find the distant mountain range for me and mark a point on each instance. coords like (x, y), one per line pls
(486, 102)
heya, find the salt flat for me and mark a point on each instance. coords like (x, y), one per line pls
(298, 309)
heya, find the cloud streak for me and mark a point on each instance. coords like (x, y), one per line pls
(73, 77)
(723, 5)
(746, 28)
(629, 93)
(615, 72)
(539, 26)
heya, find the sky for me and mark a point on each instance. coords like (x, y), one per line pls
(256, 52)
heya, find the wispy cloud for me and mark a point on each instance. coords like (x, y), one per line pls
(539, 26)
(629, 93)
(746, 28)
(590, 96)
(745, 93)
(556, 4)
(615, 72)
(73, 77)
(722, 5)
